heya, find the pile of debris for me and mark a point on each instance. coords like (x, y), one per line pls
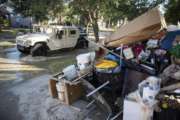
(136, 67)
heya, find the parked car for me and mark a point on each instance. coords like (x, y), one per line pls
(51, 38)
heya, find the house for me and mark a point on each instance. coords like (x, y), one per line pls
(15, 19)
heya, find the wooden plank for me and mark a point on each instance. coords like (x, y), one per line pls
(57, 74)
(171, 87)
(73, 92)
(52, 88)
(77, 80)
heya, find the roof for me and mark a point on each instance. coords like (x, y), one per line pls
(6, 9)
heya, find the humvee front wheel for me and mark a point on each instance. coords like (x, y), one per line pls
(39, 49)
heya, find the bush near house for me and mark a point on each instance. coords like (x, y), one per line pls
(3, 23)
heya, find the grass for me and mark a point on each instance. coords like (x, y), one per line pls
(6, 44)
(13, 31)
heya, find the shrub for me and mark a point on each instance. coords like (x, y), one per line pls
(175, 51)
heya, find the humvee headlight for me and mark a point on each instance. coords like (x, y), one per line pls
(28, 42)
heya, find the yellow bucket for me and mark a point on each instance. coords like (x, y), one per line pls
(106, 64)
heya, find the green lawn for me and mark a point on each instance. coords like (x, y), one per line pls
(6, 43)
(13, 31)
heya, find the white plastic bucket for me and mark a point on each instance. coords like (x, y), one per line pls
(70, 72)
(84, 60)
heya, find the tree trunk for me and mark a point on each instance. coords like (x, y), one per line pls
(96, 30)
(93, 16)
(9, 20)
(108, 24)
(87, 28)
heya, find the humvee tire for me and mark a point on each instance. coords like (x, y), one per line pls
(39, 49)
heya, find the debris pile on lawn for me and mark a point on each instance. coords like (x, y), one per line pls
(137, 67)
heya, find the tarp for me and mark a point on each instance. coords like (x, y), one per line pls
(141, 28)
(169, 38)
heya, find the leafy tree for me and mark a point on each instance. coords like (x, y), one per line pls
(39, 9)
(56, 9)
(111, 10)
(34, 8)
(172, 15)
(90, 9)
(137, 7)
(115, 10)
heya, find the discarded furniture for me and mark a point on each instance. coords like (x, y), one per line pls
(66, 92)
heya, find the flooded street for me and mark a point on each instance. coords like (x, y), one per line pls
(17, 66)
(24, 86)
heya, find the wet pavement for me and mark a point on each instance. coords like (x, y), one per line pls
(24, 86)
